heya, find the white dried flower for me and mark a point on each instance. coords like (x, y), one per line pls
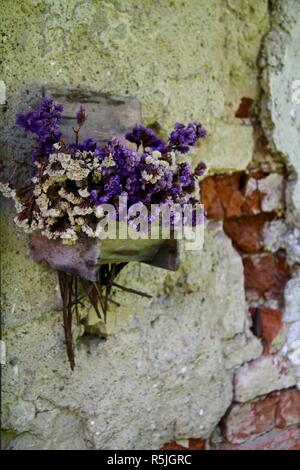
(69, 236)
(88, 230)
(79, 221)
(54, 173)
(99, 212)
(152, 178)
(50, 220)
(173, 164)
(71, 197)
(156, 154)
(50, 235)
(37, 190)
(99, 230)
(19, 206)
(55, 212)
(42, 202)
(24, 224)
(76, 171)
(6, 190)
(84, 192)
(156, 159)
(96, 163)
(108, 161)
(77, 210)
(97, 175)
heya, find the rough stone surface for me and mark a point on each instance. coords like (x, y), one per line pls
(292, 319)
(167, 373)
(277, 439)
(246, 232)
(278, 235)
(172, 358)
(280, 70)
(292, 298)
(167, 357)
(280, 117)
(288, 409)
(262, 376)
(190, 444)
(269, 326)
(230, 148)
(265, 276)
(182, 61)
(247, 421)
(241, 194)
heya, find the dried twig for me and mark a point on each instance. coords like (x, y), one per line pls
(76, 301)
(67, 315)
(133, 291)
(93, 290)
(92, 299)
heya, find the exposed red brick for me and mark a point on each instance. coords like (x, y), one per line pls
(172, 445)
(229, 192)
(297, 447)
(246, 232)
(210, 199)
(241, 193)
(265, 276)
(217, 202)
(245, 108)
(250, 420)
(262, 146)
(267, 323)
(277, 439)
(288, 409)
(256, 321)
(224, 195)
(258, 174)
(252, 203)
(271, 321)
(196, 444)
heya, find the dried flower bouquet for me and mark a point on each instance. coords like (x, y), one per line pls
(71, 182)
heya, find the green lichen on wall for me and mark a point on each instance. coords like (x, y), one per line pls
(173, 358)
(30, 290)
(183, 60)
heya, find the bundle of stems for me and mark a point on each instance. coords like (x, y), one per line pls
(73, 289)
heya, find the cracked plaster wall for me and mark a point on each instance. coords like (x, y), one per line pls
(167, 373)
(280, 117)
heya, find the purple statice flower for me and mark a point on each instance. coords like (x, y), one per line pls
(89, 145)
(183, 137)
(146, 137)
(81, 116)
(43, 123)
(186, 176)
(200, 169)
(125, 158)
(93, 196)
(143, 176)
(111, 188)
(175, 191)
(133, 187)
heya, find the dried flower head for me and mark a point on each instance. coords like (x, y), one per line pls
(71, 181)
(80, 116)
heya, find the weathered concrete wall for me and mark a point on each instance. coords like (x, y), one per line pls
(280, 113)
(262, 219)
(168, 371)
(166, 374)
(280, 110)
